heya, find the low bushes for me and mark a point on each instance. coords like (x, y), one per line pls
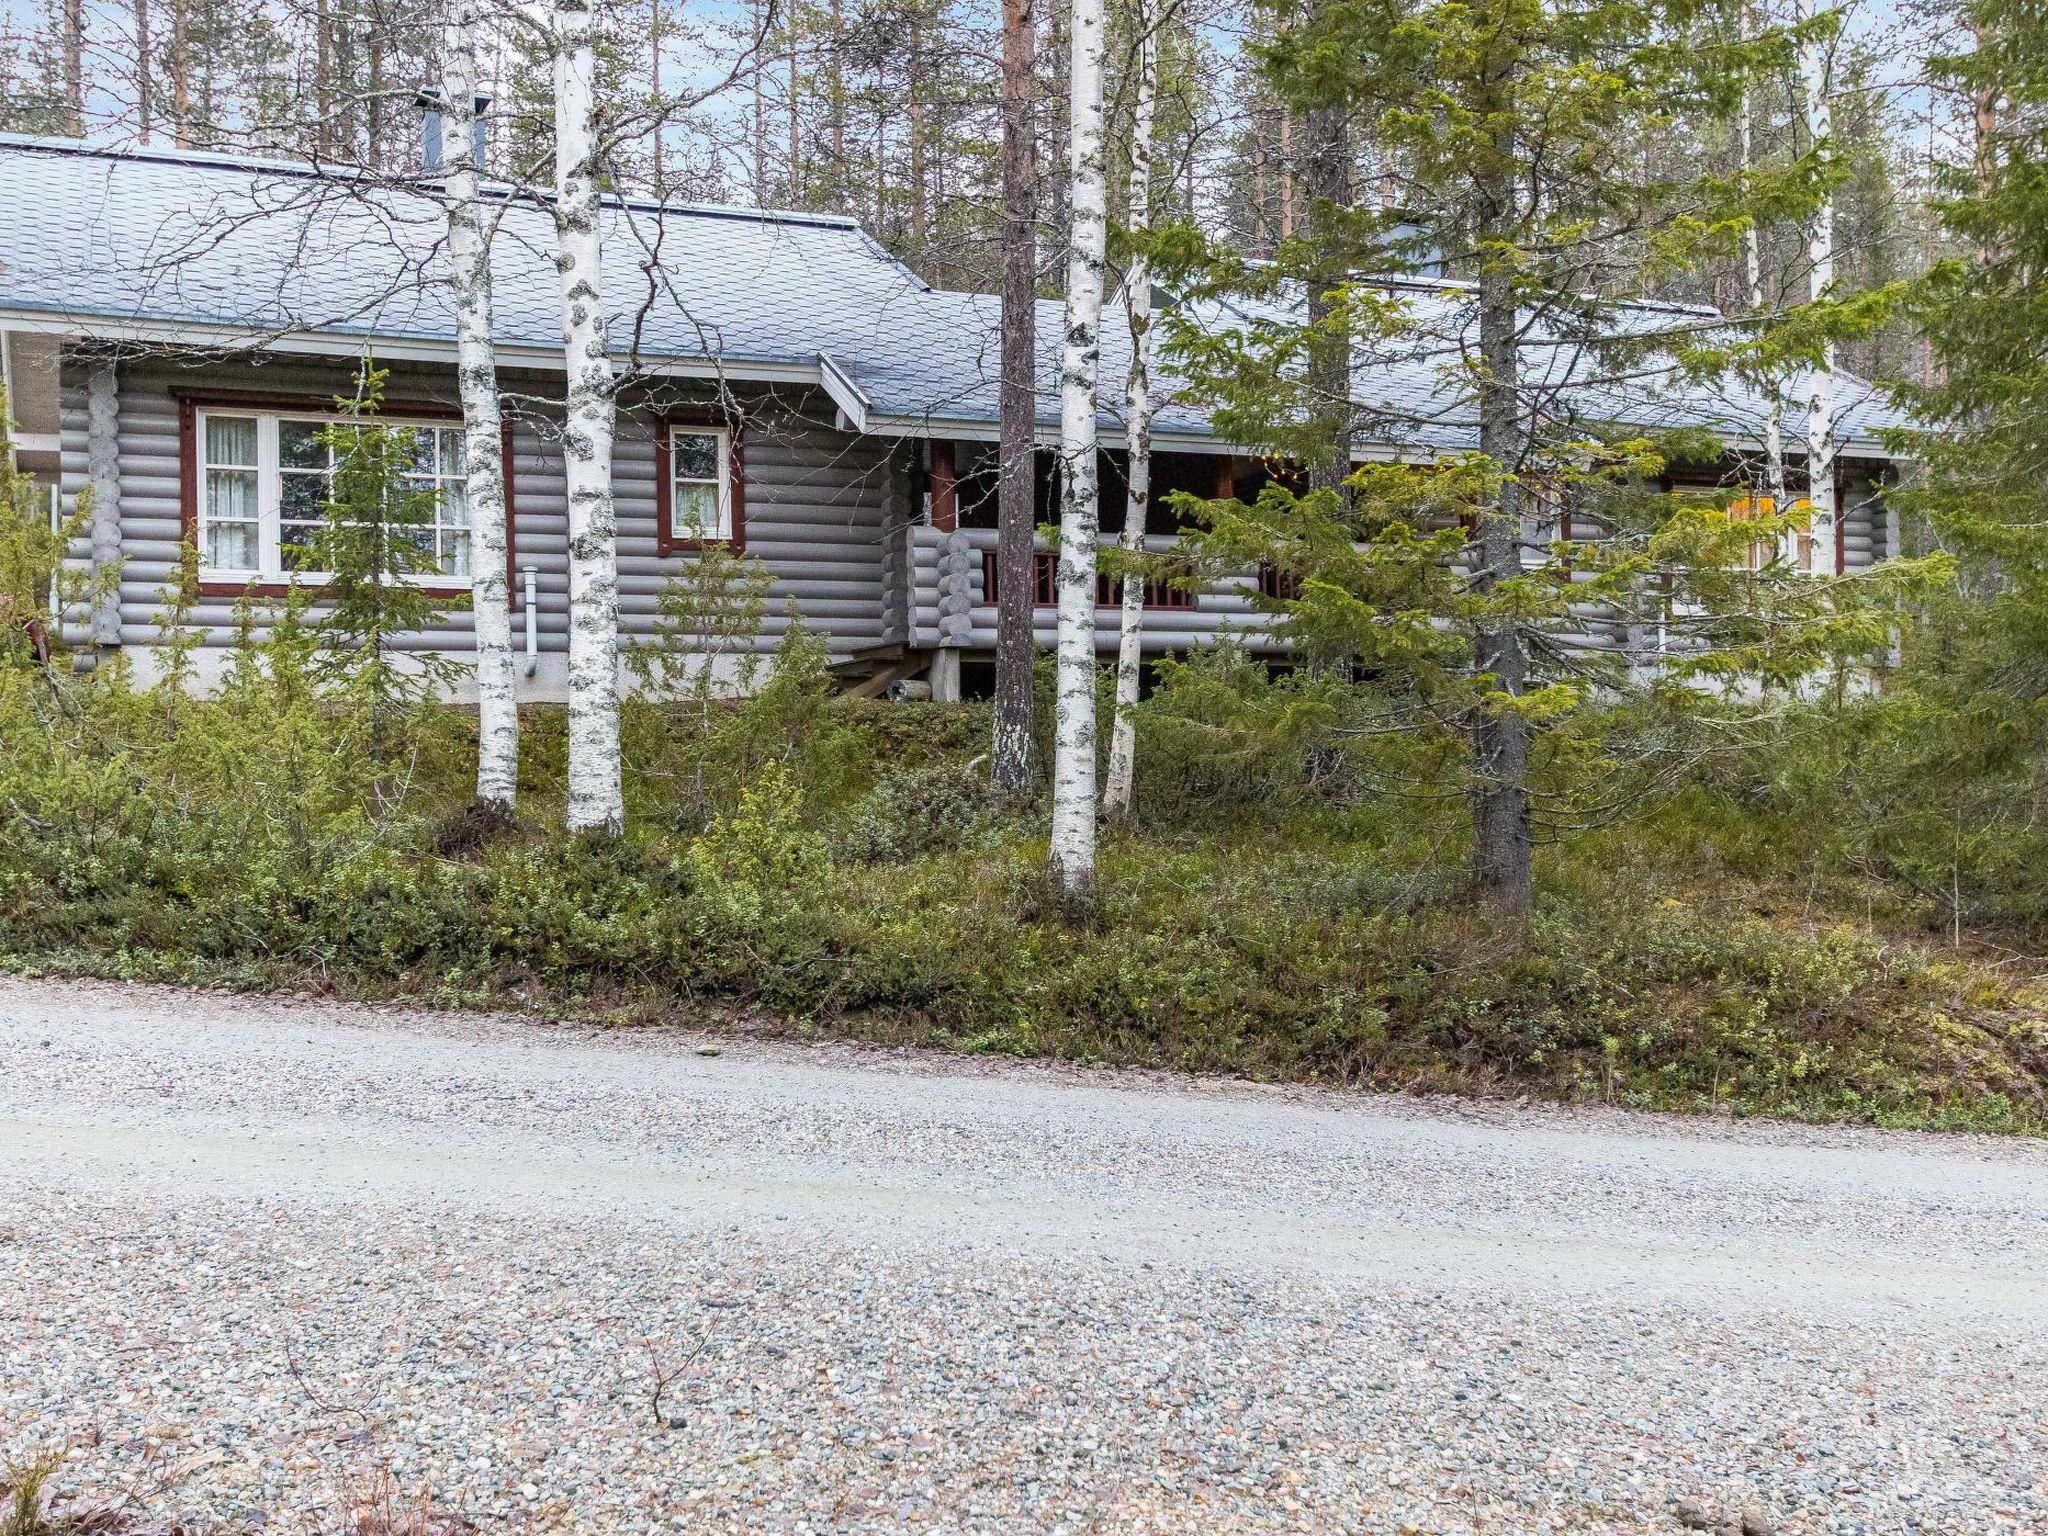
(838, 867)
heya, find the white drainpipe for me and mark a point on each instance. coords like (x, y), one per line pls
(56, 570)
(532, 624)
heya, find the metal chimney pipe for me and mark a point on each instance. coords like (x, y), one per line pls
(433, 154)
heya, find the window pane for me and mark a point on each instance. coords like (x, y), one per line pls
(697, 512)
(231, 495)
(454, 460)
(302, 497)
(454, 508)
(455, 554)
(230, 546)
(231, 440)
(300, 446)
(296, 548)
(423, 447)
(695, 455)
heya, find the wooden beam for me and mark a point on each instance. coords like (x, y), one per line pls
(945, 488)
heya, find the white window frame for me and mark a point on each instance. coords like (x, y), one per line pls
(679, 530)
(270, 568)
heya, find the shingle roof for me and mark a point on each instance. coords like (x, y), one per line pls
(127, 237)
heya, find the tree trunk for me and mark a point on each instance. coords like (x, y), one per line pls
(1984, 136)
(1820, 252)
(1123, 736)
(919, 231)
(1328, 185)
(1753, 262)
(181, 74)
(1017, 487)
(654, 83)
(323, 79)
(1503, 872)
(1073, 778)
(373, 106)
(1287, 229)
(145, 52)
(881, 157)
(760, 111)
(596, 801)
(74, 65)
(796, 142)
(835, 104)
(497, 759)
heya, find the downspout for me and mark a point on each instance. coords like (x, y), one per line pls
(88, 627)
(532, 621)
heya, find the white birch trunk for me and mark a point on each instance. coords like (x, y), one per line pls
(596, 800)
(1820, 253)
(1123, 736)
(1753, 260)
(1073, 771)
(497, 709)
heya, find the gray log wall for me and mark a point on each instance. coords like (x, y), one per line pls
(814, 499)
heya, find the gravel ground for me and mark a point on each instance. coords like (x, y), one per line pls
(262, 1258)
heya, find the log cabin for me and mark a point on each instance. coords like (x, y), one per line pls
(176, 325)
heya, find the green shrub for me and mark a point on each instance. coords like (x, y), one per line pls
(1282, 908)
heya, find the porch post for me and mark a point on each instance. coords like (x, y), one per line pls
(944, 487)
(955, 575)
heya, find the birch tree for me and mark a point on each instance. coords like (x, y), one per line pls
(1017, 489)
(1753, 272)
(596, 792)
(1123, 739)
(1814, 51)
(1073, 774)
(497, 761)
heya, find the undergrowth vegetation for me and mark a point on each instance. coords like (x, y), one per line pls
(1826, 908)
(816, 864)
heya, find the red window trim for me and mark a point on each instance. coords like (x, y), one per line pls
(192, 401)
(665, 540)
(1045, 564)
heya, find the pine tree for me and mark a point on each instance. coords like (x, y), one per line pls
(1985, 315)
(1521, 131)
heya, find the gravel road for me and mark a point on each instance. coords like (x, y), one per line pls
(261, 1258)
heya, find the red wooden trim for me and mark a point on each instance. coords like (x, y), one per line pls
(1226, 479)
(1281, 586)
(188, 476)
(945, 487)
(1045, 565)
(665, 540)
(319, 405)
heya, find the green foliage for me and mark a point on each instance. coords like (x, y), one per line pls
(691, 757)
(1287, 904)
(373, 545)
(35, 585)
(1288, 909)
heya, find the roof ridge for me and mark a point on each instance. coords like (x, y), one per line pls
(231, 160)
